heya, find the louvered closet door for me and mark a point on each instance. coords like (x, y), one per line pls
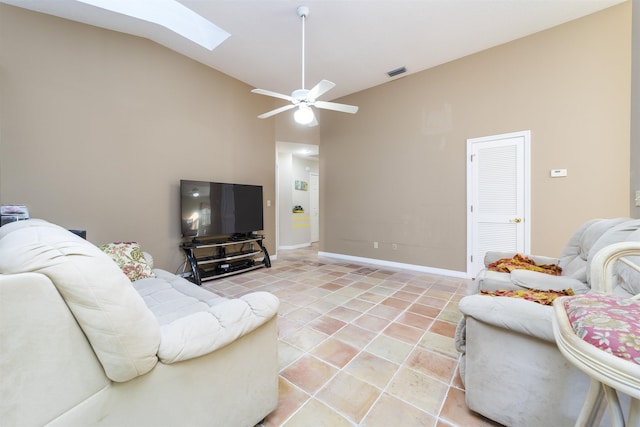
(498, 181)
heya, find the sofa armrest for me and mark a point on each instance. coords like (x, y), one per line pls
(535, 280)
(519, 315)
(206, 331)
(493, 256)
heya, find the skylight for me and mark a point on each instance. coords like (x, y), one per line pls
(169, 14)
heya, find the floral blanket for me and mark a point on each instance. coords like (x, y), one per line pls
(535, 295)
(521, 262)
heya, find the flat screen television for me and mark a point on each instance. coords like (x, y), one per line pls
(215, 209)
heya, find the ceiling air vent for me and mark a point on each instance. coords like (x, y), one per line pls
(397, 71)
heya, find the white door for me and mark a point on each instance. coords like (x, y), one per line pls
(314, 207)
(498, 194)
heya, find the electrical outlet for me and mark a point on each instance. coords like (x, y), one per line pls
(394, 246)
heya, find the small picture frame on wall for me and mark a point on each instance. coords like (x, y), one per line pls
(301, 185)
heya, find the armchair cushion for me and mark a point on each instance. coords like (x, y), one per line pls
(606, 322)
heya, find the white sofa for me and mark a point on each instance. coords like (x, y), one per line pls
(511, 367)
(82, 345)
(574, 260)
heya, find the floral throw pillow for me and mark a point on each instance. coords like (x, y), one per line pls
(129, 258)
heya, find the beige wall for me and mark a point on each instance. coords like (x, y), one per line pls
(95, 127)
(396, 171)
(99, 127)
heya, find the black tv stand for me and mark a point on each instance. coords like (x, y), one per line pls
(239, 237)
(218, 258)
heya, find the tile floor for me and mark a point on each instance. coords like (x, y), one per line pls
(361, 345)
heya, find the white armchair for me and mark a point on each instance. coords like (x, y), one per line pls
(611, 368)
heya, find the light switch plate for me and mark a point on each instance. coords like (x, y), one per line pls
(637, 197)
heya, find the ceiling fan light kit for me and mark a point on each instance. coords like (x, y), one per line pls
(304, 115)
(303, 98)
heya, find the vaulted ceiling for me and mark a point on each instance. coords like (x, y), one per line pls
(353, 43)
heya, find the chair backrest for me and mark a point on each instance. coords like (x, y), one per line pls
(615, 268)
(123, 332)
(619, 233)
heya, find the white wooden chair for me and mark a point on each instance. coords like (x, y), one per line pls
(599, 333)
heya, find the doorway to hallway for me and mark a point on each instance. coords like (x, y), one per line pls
(297, 195)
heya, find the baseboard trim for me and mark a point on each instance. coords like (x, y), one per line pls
(303, 245)
(392, 264)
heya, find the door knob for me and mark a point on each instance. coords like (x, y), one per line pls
(517, 220)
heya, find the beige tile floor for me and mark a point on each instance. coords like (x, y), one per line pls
(361, 345)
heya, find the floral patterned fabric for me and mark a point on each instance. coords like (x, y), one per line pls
(130, 259)
(535, 295)
(607, 322)
(521, 262)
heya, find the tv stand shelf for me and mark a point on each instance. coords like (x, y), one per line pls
(216, 259)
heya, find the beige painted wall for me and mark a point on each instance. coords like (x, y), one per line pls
(287, 130)
(396, 171)
(95, 125)
(99, 127)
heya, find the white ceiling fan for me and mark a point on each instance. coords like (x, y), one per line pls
(305, 98)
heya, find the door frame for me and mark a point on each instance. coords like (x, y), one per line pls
(526, 171)
(314, 220)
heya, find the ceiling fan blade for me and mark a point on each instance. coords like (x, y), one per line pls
(344, 108)
(276, 111)
(321, 88)
(274, 94)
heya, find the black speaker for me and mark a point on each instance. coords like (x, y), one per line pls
(81, 233)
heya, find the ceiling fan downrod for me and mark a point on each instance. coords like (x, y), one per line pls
(303, 12)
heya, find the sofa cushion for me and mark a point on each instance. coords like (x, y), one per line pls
(195, 321)
(573, 259)
(626, 231)
(533, 280)
(129, 257)
(122, 331)
(628, 279)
